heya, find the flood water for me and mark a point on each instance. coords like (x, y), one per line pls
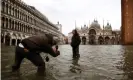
(96, 62)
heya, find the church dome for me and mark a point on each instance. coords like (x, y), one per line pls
(108, 27)
(95, 25)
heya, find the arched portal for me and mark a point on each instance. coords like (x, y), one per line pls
(113, 40)
(92, 36)
(92, 39)
(84, 40)
(13, 42)
(100, 40)
(18, 41)
(92, 32)
(107, 40)
(7, 39)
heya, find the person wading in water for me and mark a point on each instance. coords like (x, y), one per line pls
(75, 42)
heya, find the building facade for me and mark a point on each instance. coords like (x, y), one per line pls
(19, 21)
(94, 34)
(59, 26)
(127, 21)
(62, 36)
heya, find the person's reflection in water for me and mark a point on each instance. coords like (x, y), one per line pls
(75, 61)
(75, 68)
(37, 77)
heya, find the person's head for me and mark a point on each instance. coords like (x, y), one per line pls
(75, 32)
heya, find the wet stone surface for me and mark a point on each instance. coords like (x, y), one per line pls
(96, 62)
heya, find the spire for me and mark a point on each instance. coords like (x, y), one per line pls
(107, 22)
(89, 24)
(103, 24)
(75, 24)
(58, 22)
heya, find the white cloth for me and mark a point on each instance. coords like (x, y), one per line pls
(20, 45)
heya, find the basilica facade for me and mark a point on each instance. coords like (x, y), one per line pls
(95, 34)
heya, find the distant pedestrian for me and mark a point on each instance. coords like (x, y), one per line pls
(84, 39)
(75, 42)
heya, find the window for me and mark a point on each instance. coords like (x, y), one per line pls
(7, 8)
(3, 7)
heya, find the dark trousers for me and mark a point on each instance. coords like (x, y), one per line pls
(75, 52)
(34, 57)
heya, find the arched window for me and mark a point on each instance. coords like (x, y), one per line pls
(15, 12)
(7, 8)
(18, 14)
(10, 24)
(6, 24)
(28, 19)
(10, 9)
(3, 7)
(24, 28)
(2, 21)
(15, 26)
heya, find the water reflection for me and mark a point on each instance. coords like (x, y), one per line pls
(95, 63)
(75, 68)
(126, 63)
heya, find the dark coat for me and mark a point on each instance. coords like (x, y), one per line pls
(75, 41)
(40, 43)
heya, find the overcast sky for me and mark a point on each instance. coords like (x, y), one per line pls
(81, 11)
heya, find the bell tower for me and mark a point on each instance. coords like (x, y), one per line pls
(127, 21)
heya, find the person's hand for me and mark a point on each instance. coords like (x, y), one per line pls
(58, 52)
(26, 50)
(54, 49)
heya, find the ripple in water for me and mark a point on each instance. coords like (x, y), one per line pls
(99, 62)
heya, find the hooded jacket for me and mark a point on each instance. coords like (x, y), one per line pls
(40, 43)
(75, 41)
